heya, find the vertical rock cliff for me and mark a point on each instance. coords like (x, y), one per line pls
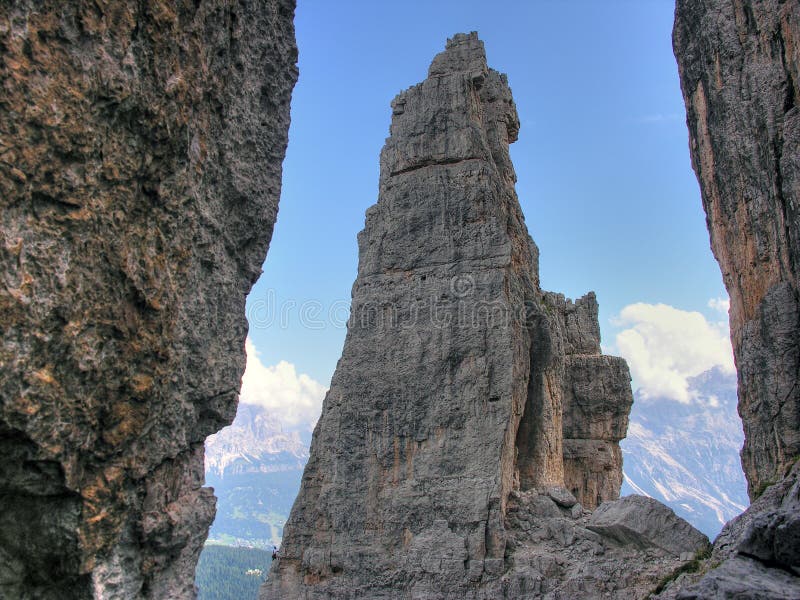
(463, 390)
(140, 168)
(739, 63)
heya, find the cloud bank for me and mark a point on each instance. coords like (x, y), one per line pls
(664, 346)
(295, 400)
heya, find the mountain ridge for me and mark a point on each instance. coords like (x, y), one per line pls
(687, 454)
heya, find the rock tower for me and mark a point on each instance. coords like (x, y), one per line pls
(740, 73)
(462, 386)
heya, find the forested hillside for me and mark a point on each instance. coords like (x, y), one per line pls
(228, 573)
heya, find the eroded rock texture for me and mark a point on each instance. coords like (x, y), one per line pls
(560, 552)
(739, 63)
(140, 161)
(596, 401)
(463, 389)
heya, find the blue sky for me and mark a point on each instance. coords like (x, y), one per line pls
(604, 175)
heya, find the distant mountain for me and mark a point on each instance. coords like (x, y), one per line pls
(255, 468)
(687, 455)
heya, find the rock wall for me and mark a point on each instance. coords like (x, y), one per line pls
(140, 167)
(459, 377)
(739, 63)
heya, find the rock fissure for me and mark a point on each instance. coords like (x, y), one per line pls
(433, 163)
(770, 564)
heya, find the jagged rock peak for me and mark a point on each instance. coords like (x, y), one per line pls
(430, 124)
(462, 387)
(464, 52)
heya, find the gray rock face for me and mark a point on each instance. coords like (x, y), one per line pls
(739, 64)
(140, 162)
(459, 379)
(645, 522)
(579, 322)
(742, 577)
(596, 401)
(562, 497)
(740, 74)
(771, 531)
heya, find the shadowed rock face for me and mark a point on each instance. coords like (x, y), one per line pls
(740, 74)
(459, 376)
(140, 161)
(739, 64)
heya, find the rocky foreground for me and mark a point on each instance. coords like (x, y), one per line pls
(472, 422)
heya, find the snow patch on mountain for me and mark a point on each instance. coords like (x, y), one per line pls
(253, 442)
(687, 454)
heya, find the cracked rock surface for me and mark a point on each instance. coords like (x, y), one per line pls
(560, 553)
(140, 160)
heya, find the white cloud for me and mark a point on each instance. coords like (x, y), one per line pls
(664, 346)
(295, 400)
(723, 305)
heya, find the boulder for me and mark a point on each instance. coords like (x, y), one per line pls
(645, 522)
